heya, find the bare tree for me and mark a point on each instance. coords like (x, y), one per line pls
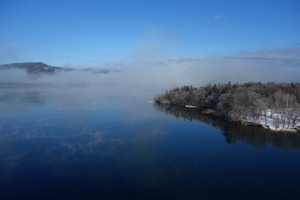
(278, 99)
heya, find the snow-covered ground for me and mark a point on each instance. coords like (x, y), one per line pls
(274, 121)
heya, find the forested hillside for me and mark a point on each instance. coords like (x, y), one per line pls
(277, 106)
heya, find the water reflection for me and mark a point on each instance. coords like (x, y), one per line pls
(254, 136)
(97, 137)
(95, 144)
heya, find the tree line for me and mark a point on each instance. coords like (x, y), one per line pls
(252, 101)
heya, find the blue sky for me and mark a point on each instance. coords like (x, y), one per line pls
(96, 33)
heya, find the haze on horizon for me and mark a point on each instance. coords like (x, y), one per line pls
(156, 44)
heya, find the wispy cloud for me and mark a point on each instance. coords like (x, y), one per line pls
(216, 17)
(284, 54)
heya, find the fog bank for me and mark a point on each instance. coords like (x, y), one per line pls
(269, 65)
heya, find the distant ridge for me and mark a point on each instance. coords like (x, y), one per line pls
(42, 68)
(33, 67)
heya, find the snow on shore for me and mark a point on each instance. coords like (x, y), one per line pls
(274, 121)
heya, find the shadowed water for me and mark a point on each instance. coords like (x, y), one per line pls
(88, 143)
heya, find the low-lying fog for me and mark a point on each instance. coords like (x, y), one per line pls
(270, 65)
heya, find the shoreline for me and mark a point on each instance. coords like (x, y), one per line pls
(213, 113)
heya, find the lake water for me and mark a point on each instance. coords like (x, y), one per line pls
(80, 143)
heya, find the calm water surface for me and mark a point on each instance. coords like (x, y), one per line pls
(79, 143)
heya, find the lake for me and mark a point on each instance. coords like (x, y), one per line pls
(95, 143)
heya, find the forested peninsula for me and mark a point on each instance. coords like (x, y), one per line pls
(274, 106)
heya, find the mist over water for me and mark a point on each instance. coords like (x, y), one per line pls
(79, 121)
(81, 135)
(277, 65)
(79, 142)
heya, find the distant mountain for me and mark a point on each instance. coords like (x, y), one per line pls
(42, 68)
(34, 67)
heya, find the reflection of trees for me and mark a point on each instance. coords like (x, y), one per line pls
(256, 137)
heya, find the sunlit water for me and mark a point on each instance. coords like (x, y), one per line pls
(80, 143)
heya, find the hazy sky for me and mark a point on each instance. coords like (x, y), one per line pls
(193, 41)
